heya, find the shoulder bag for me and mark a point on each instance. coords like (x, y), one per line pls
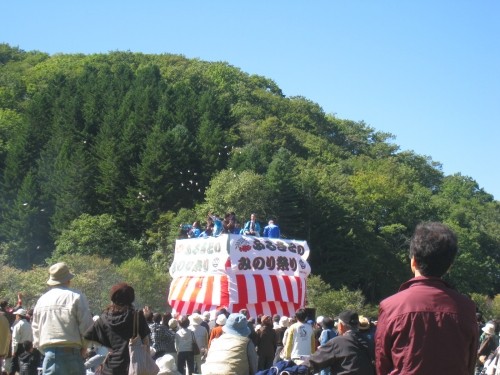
(141, 362)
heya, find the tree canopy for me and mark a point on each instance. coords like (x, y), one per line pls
(107, 154)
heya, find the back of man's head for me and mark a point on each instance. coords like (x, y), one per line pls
(301, 315)
(434, 247)
(157, 318)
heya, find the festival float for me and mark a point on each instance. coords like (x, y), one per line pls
(263, 275)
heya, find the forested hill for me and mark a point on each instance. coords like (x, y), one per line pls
(108, 154)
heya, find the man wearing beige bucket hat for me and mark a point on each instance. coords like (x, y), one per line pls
(60, 318)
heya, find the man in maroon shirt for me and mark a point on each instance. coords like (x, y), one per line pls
(428, 327)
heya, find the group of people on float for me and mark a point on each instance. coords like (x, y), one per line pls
(217, 225)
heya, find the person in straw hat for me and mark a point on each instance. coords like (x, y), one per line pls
(60, 319)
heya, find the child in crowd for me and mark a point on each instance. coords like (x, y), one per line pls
(29, 360)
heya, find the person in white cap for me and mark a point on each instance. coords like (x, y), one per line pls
(206, 321)
(201, 336)
(488, 342)
(21, 332)
(280, 337)
(60, 319)
(217, 330)
(167, 365)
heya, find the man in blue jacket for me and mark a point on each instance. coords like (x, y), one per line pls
(272, 230)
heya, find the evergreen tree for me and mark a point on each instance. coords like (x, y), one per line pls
(287, 204)
(26, 226)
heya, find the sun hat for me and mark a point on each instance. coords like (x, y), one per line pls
(319, 319)
(59, 274)
(489, 329)
(21, 312)
(221, 320)
(349, 317)
(167, 366)
(195, 319)
(173, 324)
(284, 322)
(236, 324)
(364, 323)
(122, 294)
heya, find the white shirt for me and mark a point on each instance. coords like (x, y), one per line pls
(300, 341)
(21, 332)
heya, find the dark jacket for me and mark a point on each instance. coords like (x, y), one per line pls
(29, 362)
(114, 330)
(280, 333)
(266, 341)
(350, 353)
(427, 328)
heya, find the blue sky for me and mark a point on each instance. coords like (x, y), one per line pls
(426, 71)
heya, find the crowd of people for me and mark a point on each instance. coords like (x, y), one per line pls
(425, 328)
(217, 225)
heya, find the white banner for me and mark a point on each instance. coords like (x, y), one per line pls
(200, 256)
(268, 256)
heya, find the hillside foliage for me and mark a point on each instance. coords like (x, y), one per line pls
(107, 154)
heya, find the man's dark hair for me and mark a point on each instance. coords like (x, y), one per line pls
(27, 345)
(328, 323)
(157, 318)
(149, 316)
(184, 322)
(434, 247)
(301, 315)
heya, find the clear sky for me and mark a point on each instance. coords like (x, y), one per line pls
(427, 71)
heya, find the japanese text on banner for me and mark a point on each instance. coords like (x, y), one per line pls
(268, 256)
(200, 256)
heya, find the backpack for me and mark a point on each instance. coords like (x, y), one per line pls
(286, 367)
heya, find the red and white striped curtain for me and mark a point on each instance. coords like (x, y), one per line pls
(262, 275)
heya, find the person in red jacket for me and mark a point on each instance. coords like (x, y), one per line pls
(428, 327)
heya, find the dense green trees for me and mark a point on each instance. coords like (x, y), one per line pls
(95, 235)
(106, 155)
(94, 276)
